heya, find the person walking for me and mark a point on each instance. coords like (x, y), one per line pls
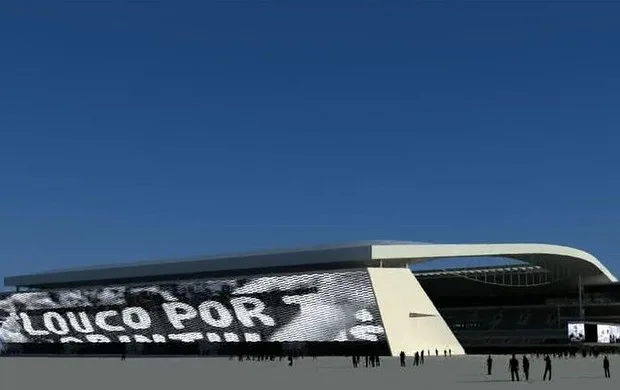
(606, 367)
(489, 365)
(526, 367)
(513, 363)
(547, 368)
(402, 359)
(422, 357)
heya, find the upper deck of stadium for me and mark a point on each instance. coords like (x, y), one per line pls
(558, 259)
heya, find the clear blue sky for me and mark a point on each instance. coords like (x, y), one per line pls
(158, 129)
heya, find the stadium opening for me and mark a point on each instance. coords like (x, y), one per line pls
(337, 300)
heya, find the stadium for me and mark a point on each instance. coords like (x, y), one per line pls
(336, 300)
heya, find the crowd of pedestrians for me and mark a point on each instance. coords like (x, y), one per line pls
(418, 358)
(514, 365)
(369, 361)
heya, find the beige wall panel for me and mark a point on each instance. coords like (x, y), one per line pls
(411, 321)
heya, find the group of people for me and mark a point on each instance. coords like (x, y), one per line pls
(369, 361)
(418, 358)
(513, 365)
(291, 356)
(372, 360)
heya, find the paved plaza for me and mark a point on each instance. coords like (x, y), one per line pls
(465, 372)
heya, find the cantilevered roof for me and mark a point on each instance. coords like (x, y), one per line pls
(356, 255)
(522, 268)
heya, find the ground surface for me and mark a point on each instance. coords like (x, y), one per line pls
(323, 373)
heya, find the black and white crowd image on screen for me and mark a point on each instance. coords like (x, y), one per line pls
(321, 307)
(576, 332)
(603, 333)
(614, 337)
(339, 299)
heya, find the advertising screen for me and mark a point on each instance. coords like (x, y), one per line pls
(603, 333)
(576, 332)
(615, 334)
(608, 333)
(321, 307)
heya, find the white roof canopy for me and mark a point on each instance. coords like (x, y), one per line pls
(570, 261)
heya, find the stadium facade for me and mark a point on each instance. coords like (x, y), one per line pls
(324, 300)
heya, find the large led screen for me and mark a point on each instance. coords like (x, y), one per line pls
(615, 334)
(576, 332)
(603, 333)
(607, 333)
(321, 307)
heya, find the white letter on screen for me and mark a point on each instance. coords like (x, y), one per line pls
(213, 337)
(55, 323)
(97, 338)
(27, 324)
(224, 318)
(83, 324)
(177, 312)
(70, 339)
(142, 339)
(252, 337)
(100, 320)
(231, 338)
(186, 337)
(245, 314)
(136, 318)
